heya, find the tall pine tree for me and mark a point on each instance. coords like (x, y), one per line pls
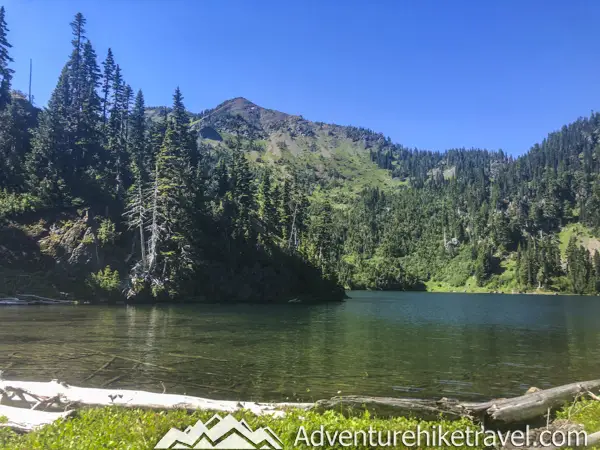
(108, 77)
(5, 71)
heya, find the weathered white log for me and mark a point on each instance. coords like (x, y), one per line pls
(530, 406)
(499, 411)
(32, 391)
(22, 419)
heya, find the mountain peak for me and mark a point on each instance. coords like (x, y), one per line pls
(240, 101)
(244, 107)
(241, 116)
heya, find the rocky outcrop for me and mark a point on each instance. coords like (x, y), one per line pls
(73, 245)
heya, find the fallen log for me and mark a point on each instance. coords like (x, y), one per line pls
(30, 299)
(31, 392)
(532, 405)
(44, 300)
(25, 420)
(11, 301)
(498, 412)
(391, 407)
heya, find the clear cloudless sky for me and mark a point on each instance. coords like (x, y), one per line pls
(432, 74)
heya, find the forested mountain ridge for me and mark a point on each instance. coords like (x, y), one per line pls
(460, 219)
(105, 196)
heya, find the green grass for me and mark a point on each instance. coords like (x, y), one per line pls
(133, 429)
(457, 276)
(115, 428)
(585, 412)
(583, 234)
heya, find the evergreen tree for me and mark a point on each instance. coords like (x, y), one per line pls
(323, 247)
(267, 211)
(221, 176)
(168, 248)
(242, 193)
(277, 201)
(156, 132)
(519, 265)
(183, 138)
(483, 264)
(136, 213)
(76, 67)
(579, 269)
(107, 84)
(48, 162)
(500, 230)
(138, 145)
(5, 71)
(16, 124)
(285, 209)
(116, 137)
(88, 136)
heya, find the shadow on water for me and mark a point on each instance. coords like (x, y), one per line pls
(378, 343)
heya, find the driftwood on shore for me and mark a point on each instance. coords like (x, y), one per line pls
(24, 420)
(29, 397)
(55, 394)
(532, 405)
(500, 411)
(30, 299)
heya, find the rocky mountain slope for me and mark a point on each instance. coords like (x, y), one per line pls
(329, 152)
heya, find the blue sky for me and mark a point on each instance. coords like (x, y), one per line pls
(431, 74)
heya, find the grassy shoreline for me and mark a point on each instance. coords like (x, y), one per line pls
(133, 429)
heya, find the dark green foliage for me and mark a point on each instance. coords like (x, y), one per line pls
(241, 194)
(48, 161)
(581, 270)
(17, 121)
(267, 199)
(141, 157)
(107, 83)
(483, 264)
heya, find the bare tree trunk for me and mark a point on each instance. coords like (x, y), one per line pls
(293, 226)
(154, 228)
(141, 219)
